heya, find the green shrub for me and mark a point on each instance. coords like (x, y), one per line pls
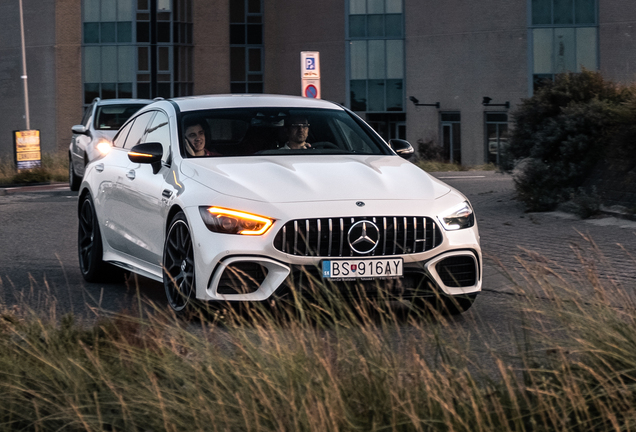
(561, 133)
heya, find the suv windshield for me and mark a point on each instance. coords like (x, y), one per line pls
(112, 117)
(276, 131)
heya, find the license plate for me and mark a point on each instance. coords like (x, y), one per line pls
(368, 268)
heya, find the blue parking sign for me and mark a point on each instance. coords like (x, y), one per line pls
(311, 63)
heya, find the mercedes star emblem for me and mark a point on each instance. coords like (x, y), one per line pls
(363, 237)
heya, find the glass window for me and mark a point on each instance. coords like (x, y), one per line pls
(542, 39)
(375, 6)
(358, 90)
(376, 95)
(265, 130)
(358, 60)
(357, 7)
(125, 63)
(109, 62)
(393, 25)
(112, 117)
(586, 49)
(375, 25)
(395, 58)
(124, 32)
(108, 10)
(246, 46)
(108, 32)
(585, 12)
(92, 64)
(138, 129)
(159, 131)
(377, 59)
(91, 10)
(564, 50)
(541, 12)
(357, 25)
(120, 138)
(124, 10)
(393, 6)
(91, 32)
(563, 11)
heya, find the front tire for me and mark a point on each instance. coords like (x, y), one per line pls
(178, 265)
(89, 243)
(74, 180)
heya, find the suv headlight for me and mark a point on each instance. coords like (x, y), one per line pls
(229, 221)
(458, 217)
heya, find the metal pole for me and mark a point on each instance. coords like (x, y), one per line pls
(24, 72)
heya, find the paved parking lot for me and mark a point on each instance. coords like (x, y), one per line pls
(559, 240)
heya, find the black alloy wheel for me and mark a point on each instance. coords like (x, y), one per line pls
(74, 180)
(178, 264)
(89, 242)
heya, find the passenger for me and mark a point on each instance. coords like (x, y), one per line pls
(195, 138)
(297, 131)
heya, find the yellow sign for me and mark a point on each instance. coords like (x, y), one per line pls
(27, 149)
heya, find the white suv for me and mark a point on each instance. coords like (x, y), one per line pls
(102, 119)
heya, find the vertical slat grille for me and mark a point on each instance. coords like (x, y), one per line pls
(327, 237)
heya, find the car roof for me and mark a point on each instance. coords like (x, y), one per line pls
(193, 103)
(124, 101)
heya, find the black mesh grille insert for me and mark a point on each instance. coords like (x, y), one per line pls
(327, 237)
(241, 278)
(459, 271)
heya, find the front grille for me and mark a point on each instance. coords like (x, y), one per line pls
(327, 237)
(458, 271)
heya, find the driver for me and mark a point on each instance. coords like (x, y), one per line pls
(297, 131)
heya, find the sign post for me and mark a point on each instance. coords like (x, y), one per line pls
(310, 74)
(27, 149)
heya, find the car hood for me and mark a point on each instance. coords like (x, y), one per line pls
(286, 179)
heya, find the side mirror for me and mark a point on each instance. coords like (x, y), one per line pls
(403, 148)
(80, 130)
(147, 153)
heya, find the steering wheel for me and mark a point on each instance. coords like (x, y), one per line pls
(325, 145)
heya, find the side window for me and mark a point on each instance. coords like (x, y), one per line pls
(87, 115)
(159, 131)
(120, 138)
(138, 129)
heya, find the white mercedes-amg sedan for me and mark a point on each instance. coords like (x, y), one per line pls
(242, 198)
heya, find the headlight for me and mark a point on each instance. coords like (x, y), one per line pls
(458, 217)
(103, 147)
(228, 221)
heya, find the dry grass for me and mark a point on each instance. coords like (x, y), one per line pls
(54, 168)
(435, 166)
(329, 366)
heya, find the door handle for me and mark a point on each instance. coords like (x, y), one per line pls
(99, 167)
(131, 174)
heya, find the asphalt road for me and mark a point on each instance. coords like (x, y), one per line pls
(38, 254)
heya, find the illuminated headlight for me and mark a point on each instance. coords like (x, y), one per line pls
(103, 147)
(458, 217)
(228, 221)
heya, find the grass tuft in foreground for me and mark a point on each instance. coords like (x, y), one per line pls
(330, 366)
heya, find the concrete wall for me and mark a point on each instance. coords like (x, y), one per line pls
(211, 33)
(457, 52)
(617, 40)
(291, 27)
(39, 22)
(68, 54)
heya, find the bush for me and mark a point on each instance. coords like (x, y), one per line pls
(561, 133)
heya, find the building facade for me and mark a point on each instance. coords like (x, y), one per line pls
(418, 70)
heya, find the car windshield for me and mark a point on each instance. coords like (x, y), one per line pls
(112, 117)
(276, 131)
